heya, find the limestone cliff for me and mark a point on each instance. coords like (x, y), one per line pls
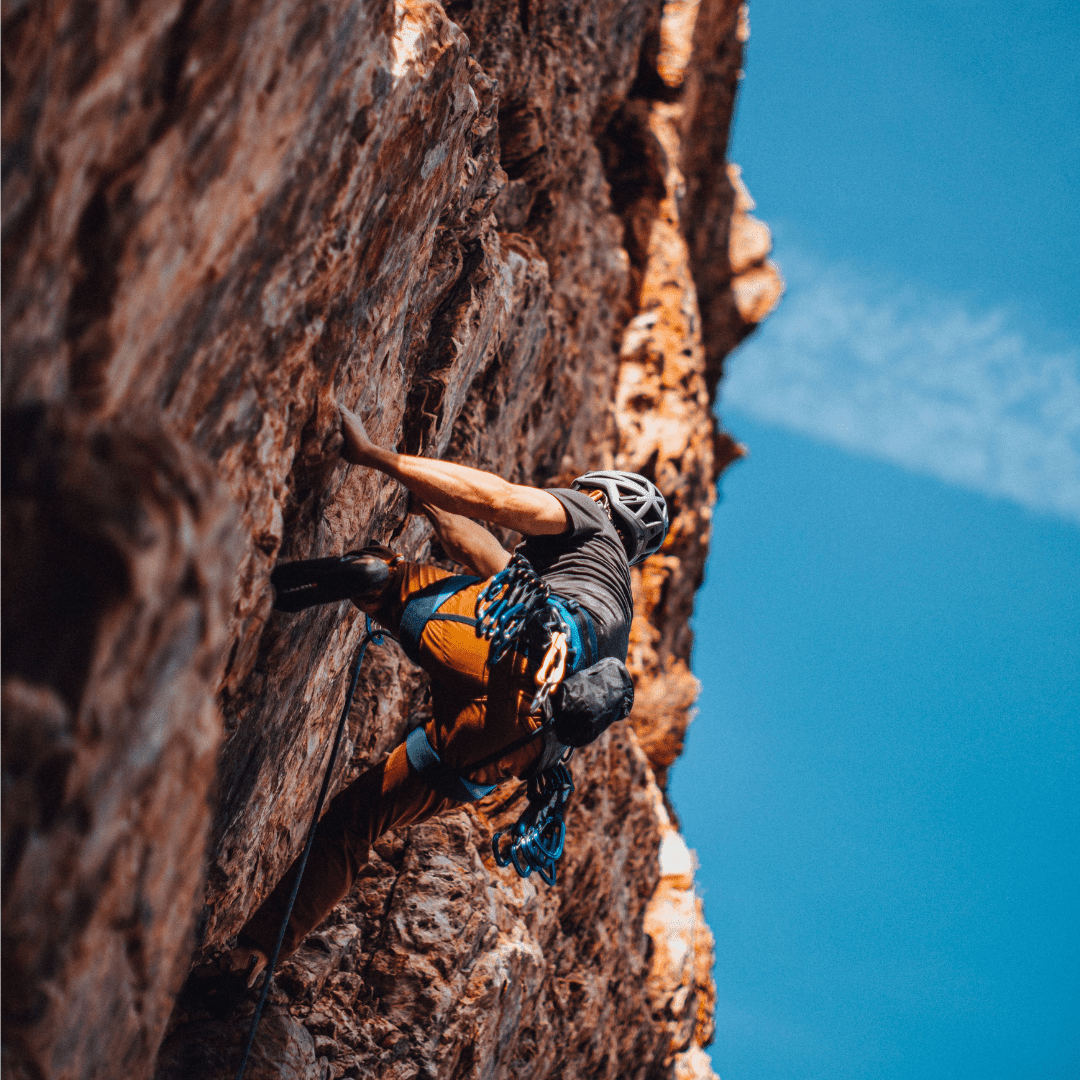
(504, 233)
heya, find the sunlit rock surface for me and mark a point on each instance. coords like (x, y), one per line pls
(504, 233)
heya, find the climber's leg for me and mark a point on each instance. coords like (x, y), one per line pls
(389, 795)
(476, 712)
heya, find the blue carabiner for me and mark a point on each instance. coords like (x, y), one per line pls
(539, 835)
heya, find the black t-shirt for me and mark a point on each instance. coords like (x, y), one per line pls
(588, 564)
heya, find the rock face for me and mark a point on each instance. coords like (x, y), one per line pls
(504, 234)
(119, 554)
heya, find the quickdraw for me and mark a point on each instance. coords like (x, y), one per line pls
(517, 604)
(551, 671)
(538, 836)
(512, 599)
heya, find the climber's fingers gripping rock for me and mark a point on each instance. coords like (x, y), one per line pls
(357, 448)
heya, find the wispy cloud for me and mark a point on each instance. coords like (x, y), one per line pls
(917, 381)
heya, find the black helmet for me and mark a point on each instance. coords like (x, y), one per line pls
(638, 509)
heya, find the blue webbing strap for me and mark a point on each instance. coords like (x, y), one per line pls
(441, 777)
(582, 632)
(424, 605)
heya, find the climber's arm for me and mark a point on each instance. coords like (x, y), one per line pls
(467, 543)
(457, 488)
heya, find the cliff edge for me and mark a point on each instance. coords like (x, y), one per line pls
(504, 233)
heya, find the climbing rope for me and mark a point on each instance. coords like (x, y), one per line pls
(539, 834)
(514, 598)
(370, 635)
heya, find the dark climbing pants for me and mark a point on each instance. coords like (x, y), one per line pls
(476, 712)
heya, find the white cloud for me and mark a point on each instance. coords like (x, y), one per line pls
(917, 381)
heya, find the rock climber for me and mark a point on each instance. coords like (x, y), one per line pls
(581, 542)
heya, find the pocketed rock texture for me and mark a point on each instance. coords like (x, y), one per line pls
(505, 234)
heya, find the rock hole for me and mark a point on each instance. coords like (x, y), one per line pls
(361, 125)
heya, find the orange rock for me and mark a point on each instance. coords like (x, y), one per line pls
(749, 244)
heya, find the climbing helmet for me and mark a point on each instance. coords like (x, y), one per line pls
(638, 509)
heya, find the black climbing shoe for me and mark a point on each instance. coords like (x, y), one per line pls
(309, 582)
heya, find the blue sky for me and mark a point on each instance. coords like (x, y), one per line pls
(881, 783)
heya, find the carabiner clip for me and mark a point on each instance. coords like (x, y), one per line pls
(551, 670)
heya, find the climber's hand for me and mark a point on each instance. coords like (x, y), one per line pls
(357, 448)
(247, 960)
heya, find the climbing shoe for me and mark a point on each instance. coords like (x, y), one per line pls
(308, 582)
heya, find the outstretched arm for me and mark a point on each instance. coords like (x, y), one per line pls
(468, 543)
(458, 489)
